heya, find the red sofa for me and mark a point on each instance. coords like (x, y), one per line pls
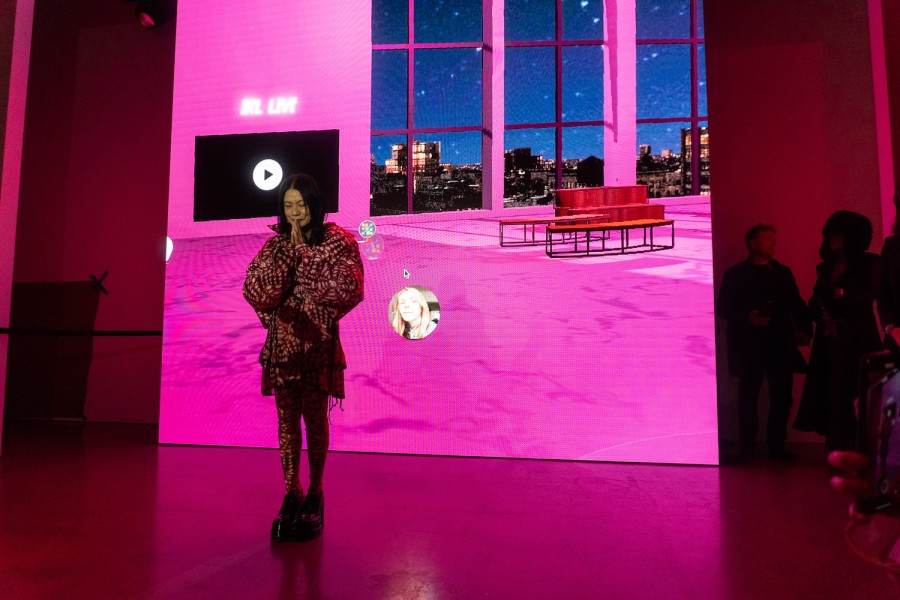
(622, 203)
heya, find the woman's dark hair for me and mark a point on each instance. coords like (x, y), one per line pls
(856, 229)
(315, 203)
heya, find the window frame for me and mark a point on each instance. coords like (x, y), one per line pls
(411, 46)
(694, 118)
(558, 43)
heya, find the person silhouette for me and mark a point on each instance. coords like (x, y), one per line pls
(766, 320)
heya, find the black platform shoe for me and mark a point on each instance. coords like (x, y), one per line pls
(285, 525)
(311, 517)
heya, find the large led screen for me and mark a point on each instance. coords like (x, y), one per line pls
(524, 355)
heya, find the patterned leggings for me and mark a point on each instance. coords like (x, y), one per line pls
(293, 403)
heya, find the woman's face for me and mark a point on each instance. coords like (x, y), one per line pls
(409, 307)
(295, 209)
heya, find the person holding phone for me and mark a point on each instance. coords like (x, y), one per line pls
(767, 318)
(303, 281)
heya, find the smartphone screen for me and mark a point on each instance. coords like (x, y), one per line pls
(879, 435)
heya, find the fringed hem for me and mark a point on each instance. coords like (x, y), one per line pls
(332, 402)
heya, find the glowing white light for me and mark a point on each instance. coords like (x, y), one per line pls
(282, 106)
(655, 54)
(596, 20)
(251, 106)
(169, 247)
(267, 174)
(584, 3)
(279, 105)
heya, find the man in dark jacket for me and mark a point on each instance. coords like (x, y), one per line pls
(767, 318)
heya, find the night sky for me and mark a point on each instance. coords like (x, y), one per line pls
(448, 82)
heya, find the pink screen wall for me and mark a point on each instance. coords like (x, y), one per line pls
(15, 22)
(607, 358)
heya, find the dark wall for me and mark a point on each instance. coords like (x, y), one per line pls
(94, 185)
(792, 123)
(891, 19)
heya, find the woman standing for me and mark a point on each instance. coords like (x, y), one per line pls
(302, 282)
(847, 282)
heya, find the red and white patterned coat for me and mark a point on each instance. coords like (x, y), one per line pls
(300, 293)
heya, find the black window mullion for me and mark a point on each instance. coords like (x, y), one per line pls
(559, 75)
(410, 107)
(695, 104)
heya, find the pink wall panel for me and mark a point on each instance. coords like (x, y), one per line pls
(94, 182)
(117, 173)
(16, 28)
(882, 111)
(890, 27)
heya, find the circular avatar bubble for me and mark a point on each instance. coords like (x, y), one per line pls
(414, 312)
(367, 229)
(373, 247)
(169, 247)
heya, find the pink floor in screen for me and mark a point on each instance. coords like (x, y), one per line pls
(602, 358)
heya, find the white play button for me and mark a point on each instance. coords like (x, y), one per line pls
(267, 174)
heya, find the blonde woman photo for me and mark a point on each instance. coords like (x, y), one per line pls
(410, 314)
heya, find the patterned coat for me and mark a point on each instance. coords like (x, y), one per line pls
(300, 293)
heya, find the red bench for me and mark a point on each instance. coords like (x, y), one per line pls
(564, 240)
(596, 197)
(621, 203)
(548, 220)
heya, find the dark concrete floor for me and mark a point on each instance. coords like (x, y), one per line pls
(101, 511)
